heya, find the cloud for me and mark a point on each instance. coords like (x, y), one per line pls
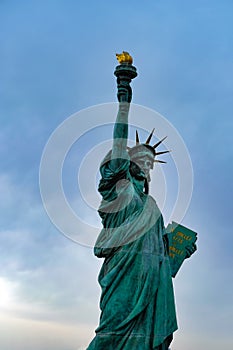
(49, 270)
(37, 335)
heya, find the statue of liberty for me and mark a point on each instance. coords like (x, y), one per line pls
(137, 300)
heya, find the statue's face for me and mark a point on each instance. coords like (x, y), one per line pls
(145, 164)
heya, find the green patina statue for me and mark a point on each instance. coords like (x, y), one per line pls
(137, 300)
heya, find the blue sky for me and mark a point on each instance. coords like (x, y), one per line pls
(57, 58)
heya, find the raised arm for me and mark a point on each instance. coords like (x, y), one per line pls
(125, 72)
(120, 133)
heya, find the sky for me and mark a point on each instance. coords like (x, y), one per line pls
(57, 59)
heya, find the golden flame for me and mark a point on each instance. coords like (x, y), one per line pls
(124, 57)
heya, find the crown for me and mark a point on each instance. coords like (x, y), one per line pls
(142, 149)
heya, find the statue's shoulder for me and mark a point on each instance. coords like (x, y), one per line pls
(151, 202)
(114, 166)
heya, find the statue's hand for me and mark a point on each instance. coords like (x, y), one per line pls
(190, 249)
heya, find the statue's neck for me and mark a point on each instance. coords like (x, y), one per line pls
(139, 185)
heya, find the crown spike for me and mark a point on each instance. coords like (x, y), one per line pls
(149, 137)
(159, 161)
(137, 138)
(157, 153)
(158, 143)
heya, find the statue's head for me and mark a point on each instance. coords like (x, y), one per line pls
(142, 157)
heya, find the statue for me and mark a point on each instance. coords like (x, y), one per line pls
(137, 301)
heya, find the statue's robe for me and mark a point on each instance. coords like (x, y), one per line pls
(137, 300)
